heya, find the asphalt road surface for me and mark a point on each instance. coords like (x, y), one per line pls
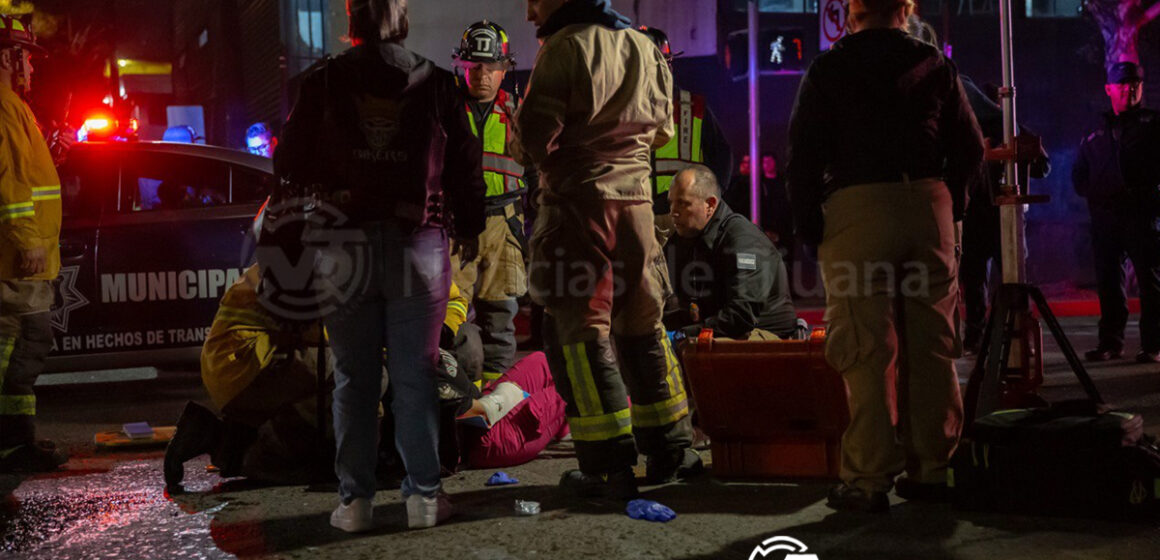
(112, 504)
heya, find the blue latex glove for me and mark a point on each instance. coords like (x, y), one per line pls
(501, 479)
(649, 510)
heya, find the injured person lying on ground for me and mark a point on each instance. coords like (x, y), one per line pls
(262, 375)
(726, 274)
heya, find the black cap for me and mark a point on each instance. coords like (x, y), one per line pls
(1125, 73)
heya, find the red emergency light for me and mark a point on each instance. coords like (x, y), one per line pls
(96, 124)
(105, 127)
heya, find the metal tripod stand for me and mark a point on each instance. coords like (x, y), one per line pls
(1011, 324)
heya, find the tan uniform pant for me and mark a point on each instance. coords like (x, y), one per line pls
(596, 269)
(888, 260)
(492, 282)
(498, 273)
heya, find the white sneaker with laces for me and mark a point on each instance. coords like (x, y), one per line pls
(354, 517)
(423, 512)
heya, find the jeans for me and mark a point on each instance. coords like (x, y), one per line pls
(400, 307)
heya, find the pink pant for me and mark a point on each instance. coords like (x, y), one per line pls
(521, 435)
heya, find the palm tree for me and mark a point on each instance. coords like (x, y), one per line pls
(1120, 22)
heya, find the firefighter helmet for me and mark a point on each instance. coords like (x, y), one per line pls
(484, 41)
(661, 39)
(16, 31)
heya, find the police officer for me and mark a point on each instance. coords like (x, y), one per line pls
(30, 215)
(1117, 171)
(260, 140)
(698, 139)
(496, 277)
(727, 274)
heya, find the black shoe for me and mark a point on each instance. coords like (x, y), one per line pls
(198, 432)
(230, 452)
(972, 344)
(682, 464)
(619, 485)
(1104, 353)
(40, 456)
(908, 489)
(849, 498)
(1146, 357)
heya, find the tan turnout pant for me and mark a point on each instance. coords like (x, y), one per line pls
(888, 260)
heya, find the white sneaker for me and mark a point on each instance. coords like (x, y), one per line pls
(423, 512)
(355, 517)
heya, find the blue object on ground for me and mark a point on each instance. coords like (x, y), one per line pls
(649, 510)
(501, 478)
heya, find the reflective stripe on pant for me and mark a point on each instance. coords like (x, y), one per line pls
(25, 341)
(891, 290)
(612, 245)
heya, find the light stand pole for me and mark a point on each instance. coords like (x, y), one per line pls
(754, 120)
(1009, 369)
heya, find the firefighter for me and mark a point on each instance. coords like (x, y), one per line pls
(698, 139)
(598, 102)
(30, 215)
(254, 369)
(497, 276)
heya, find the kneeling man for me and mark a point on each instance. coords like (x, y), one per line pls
(726, 274)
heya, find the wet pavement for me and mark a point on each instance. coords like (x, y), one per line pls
(112, 504)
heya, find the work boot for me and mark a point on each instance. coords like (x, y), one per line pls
(620, 485)
(844, 497)
(911, 490)
(39, 456)
(678, 465)
(198, 432)
(1103, 353)
(230, 452)
(1146, 357)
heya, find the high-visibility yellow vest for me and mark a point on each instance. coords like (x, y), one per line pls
(685, 147)
(501, 173)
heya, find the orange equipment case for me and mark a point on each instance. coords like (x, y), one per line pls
(771, 408)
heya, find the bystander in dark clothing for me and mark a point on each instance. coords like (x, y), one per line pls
(1118, 172)
(981, 242)
(383, 132)
(882, 146)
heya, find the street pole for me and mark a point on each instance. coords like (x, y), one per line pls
(754, 120)
(1012, 234)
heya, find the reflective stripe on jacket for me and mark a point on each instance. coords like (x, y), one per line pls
(686, 147)
(30, 208)
(501, 173)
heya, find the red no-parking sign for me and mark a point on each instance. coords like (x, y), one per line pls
(833, 23)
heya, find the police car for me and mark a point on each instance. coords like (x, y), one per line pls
(153, 234)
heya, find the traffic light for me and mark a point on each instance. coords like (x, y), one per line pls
(781, 51)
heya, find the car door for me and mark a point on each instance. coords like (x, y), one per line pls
(169, 250)
(88, 186)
